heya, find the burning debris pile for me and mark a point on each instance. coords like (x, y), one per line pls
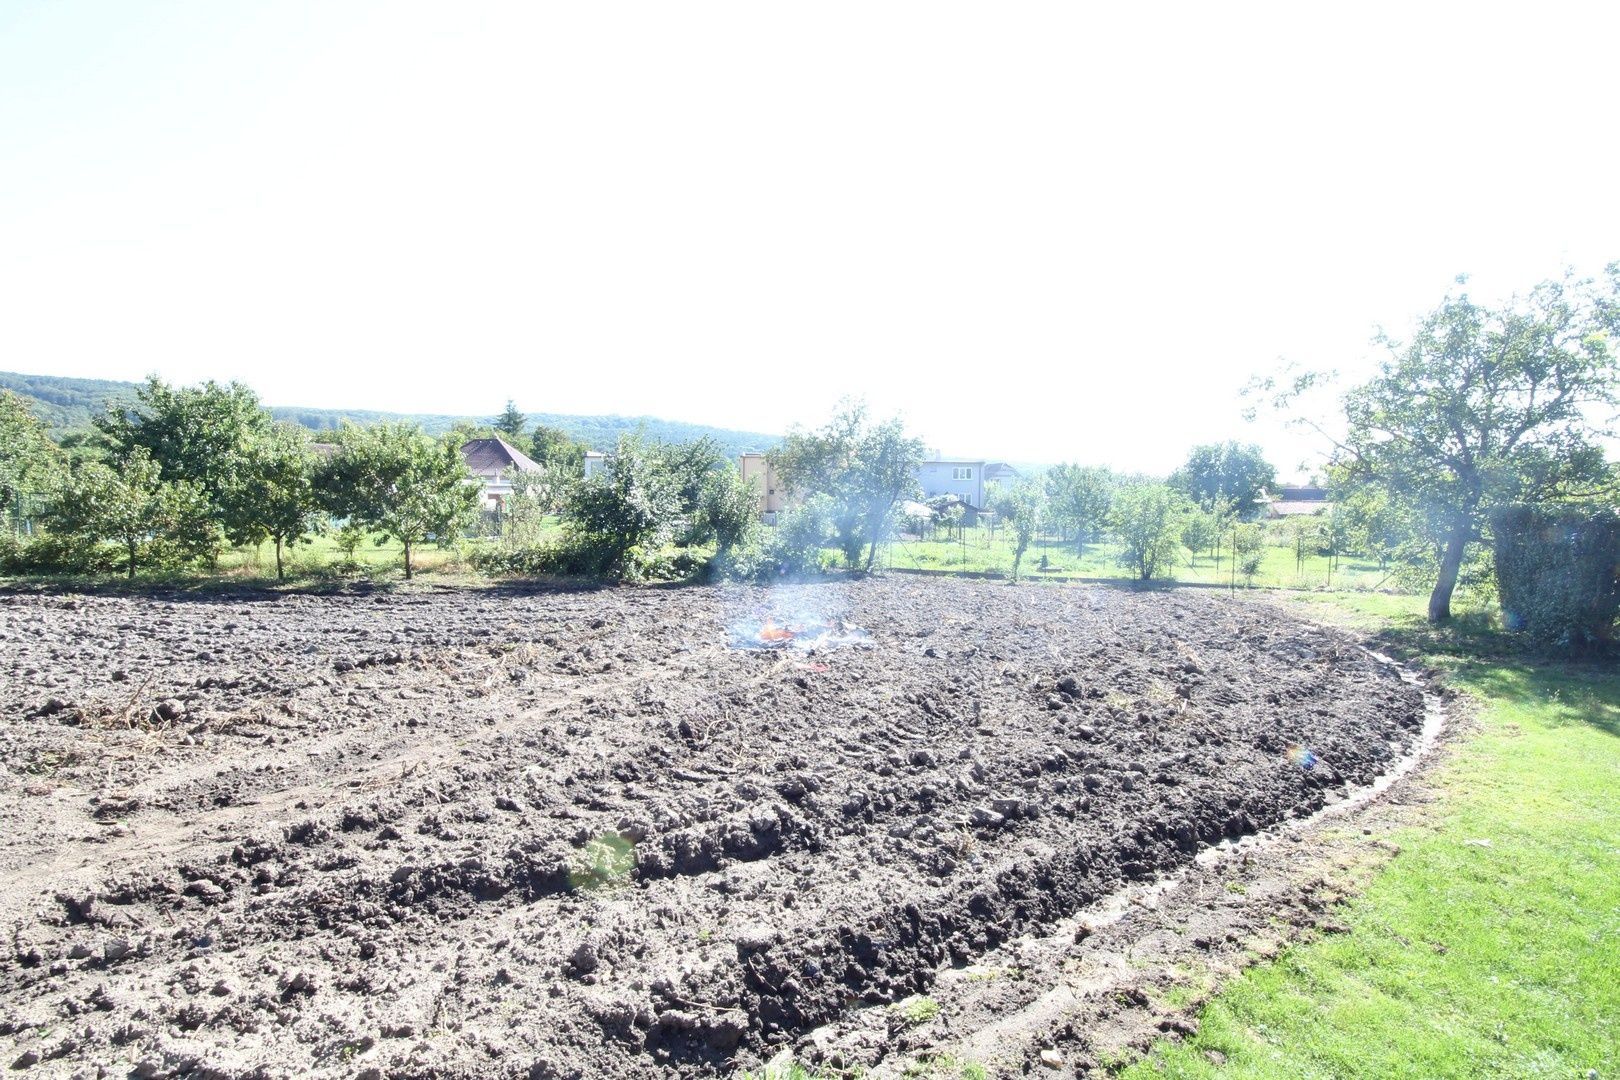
(807, 634)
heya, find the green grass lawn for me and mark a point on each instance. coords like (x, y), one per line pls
(1490, 945)
(979, 553)
(322, 558)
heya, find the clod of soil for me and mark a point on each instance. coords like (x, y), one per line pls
(575, 834)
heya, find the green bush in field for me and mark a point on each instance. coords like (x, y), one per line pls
(1249, 548)
(271, 495)
(55, 553)
(1022, 506)
(864, 470)
(1199, 532)
(628, 509)
(1147, 519)
(1081, 498)
(30, 464)
(791, 549)
(727, 511)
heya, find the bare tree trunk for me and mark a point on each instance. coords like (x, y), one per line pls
(1450, 565)
(280, 576)
(131, 542)
(407, 560)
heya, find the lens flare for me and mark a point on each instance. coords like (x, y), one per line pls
(1302, 757)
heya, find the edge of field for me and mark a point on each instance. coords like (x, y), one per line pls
(1486, 944)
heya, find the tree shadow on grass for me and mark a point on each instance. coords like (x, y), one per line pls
(1566, 694)
(1473, 650)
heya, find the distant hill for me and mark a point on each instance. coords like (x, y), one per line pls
(66, 404)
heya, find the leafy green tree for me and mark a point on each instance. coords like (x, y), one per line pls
(1081, 497)
(200, 434)
(348, 539)
(29, 462)
(273, 495)
(81, 445)
(554, 446)
(463, 432)
(1231, 470)
(546, 489)
(1022, 505)
(1335, 535)
(631, 506)
(1147, 519)
(1375, 524)
(689, 466)
(399, 483)
(511, 423)
(131, 505)
(728, 510)
(1248, 550)
(1199, 532)
(866, 470)
(1485, 406)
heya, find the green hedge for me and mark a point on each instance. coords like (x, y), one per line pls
(1558, 574)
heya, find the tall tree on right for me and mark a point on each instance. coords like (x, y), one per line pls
(1487, 405)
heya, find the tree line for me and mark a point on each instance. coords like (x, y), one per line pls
(181, 473)
(1481, 409)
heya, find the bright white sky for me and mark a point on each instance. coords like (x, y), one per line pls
(1040, 231)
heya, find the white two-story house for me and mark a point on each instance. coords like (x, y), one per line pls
(964, 479)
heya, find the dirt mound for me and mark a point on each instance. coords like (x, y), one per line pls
(577, 834)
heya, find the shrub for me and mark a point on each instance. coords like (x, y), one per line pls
(578, 554)
(1148, 519)
(624, 512)
(791, 549)
(1556, 574)
(55, 553)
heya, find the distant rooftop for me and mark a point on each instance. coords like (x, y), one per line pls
(490, 457)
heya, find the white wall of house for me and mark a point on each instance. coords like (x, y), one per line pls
(961, 478)
(595, 462)
(496, 488)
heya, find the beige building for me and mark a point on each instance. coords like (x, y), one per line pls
(756, 470)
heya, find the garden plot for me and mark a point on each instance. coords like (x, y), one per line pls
(610, 833)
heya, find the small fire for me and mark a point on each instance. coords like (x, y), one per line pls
(806, 634)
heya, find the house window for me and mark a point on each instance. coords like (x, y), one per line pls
(962, 472)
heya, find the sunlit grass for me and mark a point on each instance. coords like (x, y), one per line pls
(1490, 945)
(978, 552)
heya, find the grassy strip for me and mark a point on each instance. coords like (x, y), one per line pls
(980, 553)
(1490, 945)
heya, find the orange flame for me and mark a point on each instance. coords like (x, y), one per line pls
(771, 632)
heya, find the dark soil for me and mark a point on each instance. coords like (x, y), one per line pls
(573, 834)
